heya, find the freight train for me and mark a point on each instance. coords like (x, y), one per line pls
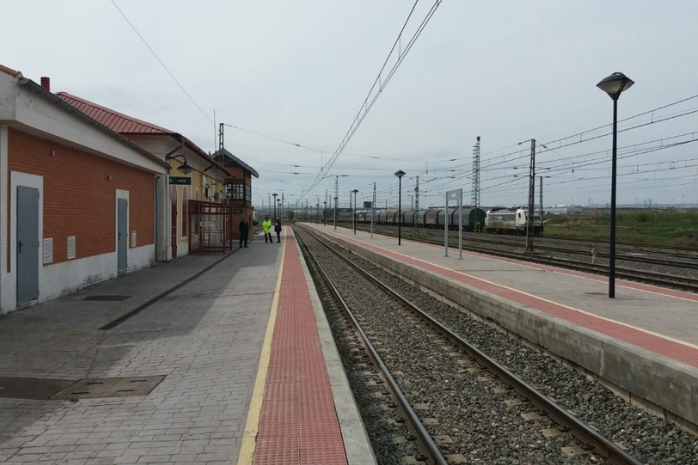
(473, 219)
(495, 220)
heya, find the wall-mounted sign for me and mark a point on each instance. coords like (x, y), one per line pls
(180, 180)
(71, 247)
(48, 250)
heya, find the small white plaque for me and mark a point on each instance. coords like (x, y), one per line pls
(71, 247)
(133, 238)
(48, 250)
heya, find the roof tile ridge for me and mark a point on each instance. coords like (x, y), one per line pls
(65, 96)
(10, 71)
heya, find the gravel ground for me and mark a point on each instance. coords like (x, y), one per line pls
(471, 412)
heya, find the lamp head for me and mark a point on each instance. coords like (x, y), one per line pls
(400, 174)
(614, 84)
(184, 168)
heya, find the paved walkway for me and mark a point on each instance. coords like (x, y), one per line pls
(239, 385)
(205, 336)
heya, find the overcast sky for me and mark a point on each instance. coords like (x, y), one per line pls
(288, 78)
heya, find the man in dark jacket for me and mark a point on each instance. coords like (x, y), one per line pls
(277, 228)
(244, 227)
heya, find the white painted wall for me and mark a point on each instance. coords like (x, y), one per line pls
(66, 277)
(4, 176)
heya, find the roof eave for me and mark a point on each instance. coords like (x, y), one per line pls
(52, 98)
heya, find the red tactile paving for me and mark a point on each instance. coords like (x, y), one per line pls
(298, 423)
(655, 343)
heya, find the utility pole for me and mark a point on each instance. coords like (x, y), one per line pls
(475, 199)
(336, 187)
(531, 197)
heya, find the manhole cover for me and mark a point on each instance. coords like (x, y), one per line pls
(109, 387)
(31, 388)
(115, 298)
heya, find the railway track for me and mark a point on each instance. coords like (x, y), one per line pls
(672, 269)
(430, 396)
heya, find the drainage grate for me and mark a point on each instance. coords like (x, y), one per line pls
(31, 388)
(63, 389)
(109, 387)
(115, 298)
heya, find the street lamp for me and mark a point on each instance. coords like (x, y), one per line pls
(274, 195)
(355, 191)
(335, 212)
(399, 175)
(324, 209)
(614, 85)
(184, 168)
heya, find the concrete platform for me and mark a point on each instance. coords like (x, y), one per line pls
(216, 328)
(644, 341)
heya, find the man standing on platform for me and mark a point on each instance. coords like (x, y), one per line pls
(266, 226)
(244, 227)
(277, 228)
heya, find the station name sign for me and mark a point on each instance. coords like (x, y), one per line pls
(180, 180)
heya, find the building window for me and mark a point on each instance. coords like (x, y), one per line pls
(185, 211)
(236, 190)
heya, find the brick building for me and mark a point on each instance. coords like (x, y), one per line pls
(77, 200)
(204, 181)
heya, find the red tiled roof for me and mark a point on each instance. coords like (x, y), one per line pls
(117, 122)
(125, 125)
(9, 71)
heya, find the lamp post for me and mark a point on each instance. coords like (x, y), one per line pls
(614, 85)
(274, 195)
(355, 191)
(335, 212)
(324, 209)
(399, 175)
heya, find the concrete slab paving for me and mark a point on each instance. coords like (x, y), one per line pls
(203, 334)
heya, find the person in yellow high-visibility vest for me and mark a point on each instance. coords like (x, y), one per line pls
(266, 226)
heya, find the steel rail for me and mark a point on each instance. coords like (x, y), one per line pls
(583, 432)
(424, 439)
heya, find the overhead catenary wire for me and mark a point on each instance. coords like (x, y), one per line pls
(162, 63)
(378, 85)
